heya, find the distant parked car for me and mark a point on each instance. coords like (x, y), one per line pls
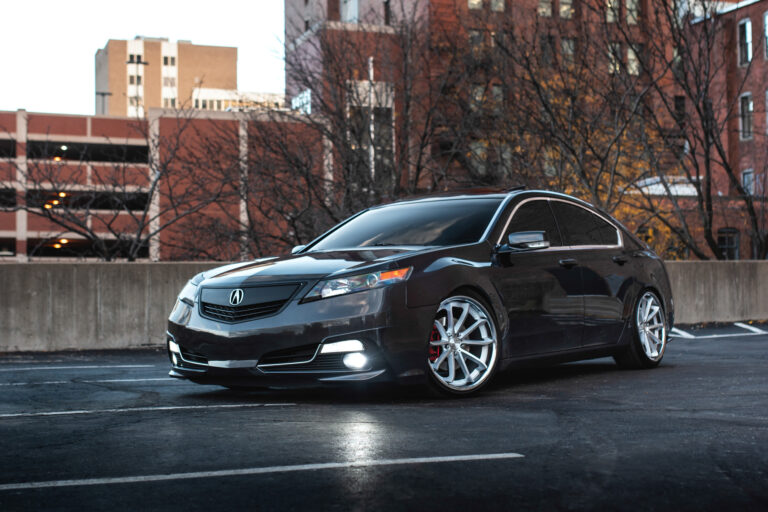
(445, 291)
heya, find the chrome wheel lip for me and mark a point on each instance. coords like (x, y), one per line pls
(458, 339)
(651, 326)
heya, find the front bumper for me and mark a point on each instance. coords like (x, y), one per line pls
(286, 349)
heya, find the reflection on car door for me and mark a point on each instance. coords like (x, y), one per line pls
(540, 288)
(597, 247)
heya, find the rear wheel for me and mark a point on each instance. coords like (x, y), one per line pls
(463, 346)
(649, 337)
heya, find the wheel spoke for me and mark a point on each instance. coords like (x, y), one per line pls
(469, 330)
(654, 309)
(472, 357)
(483, 341)
(646, 344)
(449, 318)
(440, 359)
(451, 367)
(464, 368)
(441, 330)
(655, 338)
(462, 317)
(654, 326)
(648, 304)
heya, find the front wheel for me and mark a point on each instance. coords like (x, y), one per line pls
(463, 346)
(649, 336)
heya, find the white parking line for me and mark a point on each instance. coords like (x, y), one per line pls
(258, 471)
(49, 382)
(750, 328)
(138, 409)
(33, 368)
(681, 334)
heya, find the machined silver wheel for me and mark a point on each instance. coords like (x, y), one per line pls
(651, 326)
(463, 344)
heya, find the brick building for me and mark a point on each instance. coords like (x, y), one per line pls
(150, 72)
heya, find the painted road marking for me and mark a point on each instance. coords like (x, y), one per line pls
(750, 328)
(258, 471)
(100, 381)
(33, 368)
(139, 409)
(681, 334)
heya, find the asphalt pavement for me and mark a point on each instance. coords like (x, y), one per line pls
(110, 431)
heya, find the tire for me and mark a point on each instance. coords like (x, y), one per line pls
(463, 346)
(649, 334)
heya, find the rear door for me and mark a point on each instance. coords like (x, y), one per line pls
(596, 245)
(542, 295)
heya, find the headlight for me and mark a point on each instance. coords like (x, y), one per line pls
(189, 291)
(352, 284)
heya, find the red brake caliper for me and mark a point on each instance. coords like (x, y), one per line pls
(434, 351)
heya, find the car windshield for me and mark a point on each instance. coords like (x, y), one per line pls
(428, 223)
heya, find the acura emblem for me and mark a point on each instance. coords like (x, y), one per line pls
(236, 297)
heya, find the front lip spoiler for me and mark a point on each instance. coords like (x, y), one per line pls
(353, 377)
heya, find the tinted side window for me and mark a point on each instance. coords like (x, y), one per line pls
(535, 216)
(580, 227)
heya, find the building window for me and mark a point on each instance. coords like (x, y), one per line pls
(475, 4)
(545, 8)
(568, 47)
(728, 243)
(131, 80)
(138, 79)
(138, 59)
(477, 94)
(633, 11)
(497, 97)
(765, 34)
(746, 111)
(173, 61)
(614, 57)
(612, 11)
(131, 57)
(547, 44)
(566, 9)
(349, 11)
(748, 181)
(745, 42)
(165, 60)
(633, 62)
(169, 81)
(218, 104)
(680, 110)
(475, 40)
(387, 13)
(497, 5)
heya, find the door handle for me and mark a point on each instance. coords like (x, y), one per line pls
(620, 259)
(568, 262)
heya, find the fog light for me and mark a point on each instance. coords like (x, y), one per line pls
(173, 347)
(355, 361)
(342, 346)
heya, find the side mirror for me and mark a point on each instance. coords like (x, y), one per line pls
(298, 248)
(524, 241)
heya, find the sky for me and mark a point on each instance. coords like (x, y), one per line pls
(49, 46)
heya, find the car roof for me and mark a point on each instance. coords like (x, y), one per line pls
(483, 194)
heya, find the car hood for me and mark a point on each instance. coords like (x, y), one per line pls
(313, 265)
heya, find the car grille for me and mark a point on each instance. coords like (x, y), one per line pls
(330, 363)
(257, 302)
(290, 355)
(241, 313)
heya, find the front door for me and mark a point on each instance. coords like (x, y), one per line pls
(541, 289)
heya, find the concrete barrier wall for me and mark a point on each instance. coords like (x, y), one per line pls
(86, 306)
(719, 291)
